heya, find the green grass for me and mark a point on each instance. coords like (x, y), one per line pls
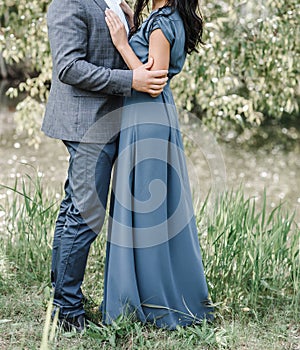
(251, 259)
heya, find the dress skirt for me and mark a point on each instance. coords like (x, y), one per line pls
(154, 267)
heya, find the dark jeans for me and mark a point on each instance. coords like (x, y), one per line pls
(80, 219)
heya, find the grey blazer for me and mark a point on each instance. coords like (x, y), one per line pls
(89, 77)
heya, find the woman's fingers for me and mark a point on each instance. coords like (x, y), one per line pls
(116, 28)
(115, 25)
(113, 18)
(109, 19)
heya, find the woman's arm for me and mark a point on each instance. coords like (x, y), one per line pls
(159, 46)
(128, 13)
(159, 49)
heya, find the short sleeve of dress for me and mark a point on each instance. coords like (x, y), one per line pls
(165, 24)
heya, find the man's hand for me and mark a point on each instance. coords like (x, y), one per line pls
(151, 82)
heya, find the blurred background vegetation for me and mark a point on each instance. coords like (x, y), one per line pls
(246, 75)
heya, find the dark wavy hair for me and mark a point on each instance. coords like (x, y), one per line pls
(190, 14)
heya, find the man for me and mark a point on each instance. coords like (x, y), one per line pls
(89, 81)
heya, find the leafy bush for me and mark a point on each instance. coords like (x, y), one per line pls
(247, 72)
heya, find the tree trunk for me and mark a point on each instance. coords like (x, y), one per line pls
(3, 69)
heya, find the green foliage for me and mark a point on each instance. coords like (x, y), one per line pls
(29, 219)
(23, 41)
(23, 38)
(249, 69)
(251, 256)
(247, 72)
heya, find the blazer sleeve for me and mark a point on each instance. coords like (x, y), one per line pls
(67, 32)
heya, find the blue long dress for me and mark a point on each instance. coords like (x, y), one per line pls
(153, 261)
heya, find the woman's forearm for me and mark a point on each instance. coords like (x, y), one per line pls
(129, 56)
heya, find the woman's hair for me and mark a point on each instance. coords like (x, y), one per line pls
(190, 14)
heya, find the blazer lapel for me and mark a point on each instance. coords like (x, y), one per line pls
(102, 4)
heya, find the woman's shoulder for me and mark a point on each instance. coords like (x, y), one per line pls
(172, 13)
(167, 12)
(165, 17)
(169, 21)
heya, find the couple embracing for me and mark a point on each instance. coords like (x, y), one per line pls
(111, 104)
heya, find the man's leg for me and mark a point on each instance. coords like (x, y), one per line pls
(60, 224)
(88, 185)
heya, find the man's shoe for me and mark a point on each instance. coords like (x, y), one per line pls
(69, 324)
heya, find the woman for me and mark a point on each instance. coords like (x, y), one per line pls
(153, 265)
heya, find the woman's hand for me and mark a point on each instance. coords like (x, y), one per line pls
(116, 28)
(128, 13)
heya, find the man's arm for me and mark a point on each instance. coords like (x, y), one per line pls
(67, 30)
